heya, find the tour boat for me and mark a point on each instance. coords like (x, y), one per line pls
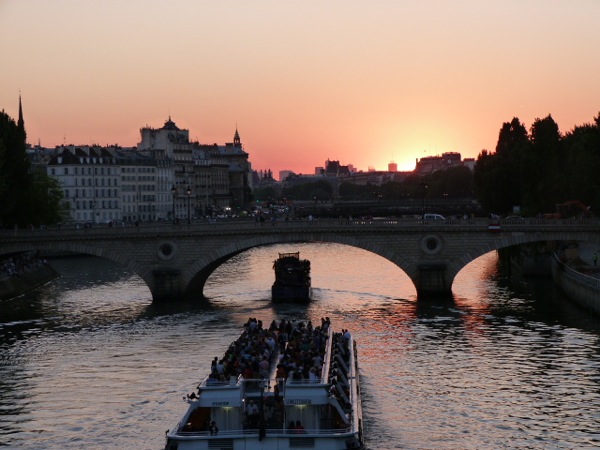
(292, 278)
(286, 387)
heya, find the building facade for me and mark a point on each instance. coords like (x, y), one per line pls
(166, 177)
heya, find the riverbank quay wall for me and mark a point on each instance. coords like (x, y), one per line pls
(580, 288)
(530, 260)
(15, 285)
(176, 260)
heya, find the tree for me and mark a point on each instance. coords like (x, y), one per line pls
(542, 169)
(490, 180)
(454, 182)
(26, 197)
(14, 172)
(544, 166)
(45, 196)
(308, 191)
(582, 164)
(511, 149)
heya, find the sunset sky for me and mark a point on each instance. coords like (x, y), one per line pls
(361, 82)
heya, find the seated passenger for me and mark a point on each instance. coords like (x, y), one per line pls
(292, 426)
(299, 428)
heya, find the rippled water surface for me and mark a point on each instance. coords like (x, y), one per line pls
(87, 362)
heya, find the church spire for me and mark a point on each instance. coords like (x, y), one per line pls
(21, 122)
(236, 138)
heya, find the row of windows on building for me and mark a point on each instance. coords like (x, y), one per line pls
(111, 181)
(93, 193)
(138, 187)
(101, 170)
(96, 182)
(97, 204)
(110, 192)
(114, 204)
(139, 198)
(138, 178)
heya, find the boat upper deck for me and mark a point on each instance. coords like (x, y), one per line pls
(296, 353)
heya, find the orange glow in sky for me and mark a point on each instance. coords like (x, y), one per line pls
(361, 82)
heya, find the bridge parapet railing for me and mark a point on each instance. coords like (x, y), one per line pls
(165, 227)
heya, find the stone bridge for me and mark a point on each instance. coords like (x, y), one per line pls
(176, 260)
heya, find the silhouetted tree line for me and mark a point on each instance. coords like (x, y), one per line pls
(27, 197)
(452, 183)
(533, 170)
(320, 191)
(540, 169)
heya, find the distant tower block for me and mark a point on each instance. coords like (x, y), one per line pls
(392, 167)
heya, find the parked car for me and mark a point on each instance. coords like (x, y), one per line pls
(433, 217)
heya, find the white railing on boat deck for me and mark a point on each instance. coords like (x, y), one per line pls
(327, 355)
(233, 381)
(354, 389)
(270, 432)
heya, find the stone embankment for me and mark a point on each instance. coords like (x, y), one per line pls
(35, 274)
(577, 273)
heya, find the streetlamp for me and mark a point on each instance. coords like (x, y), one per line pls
(425, 186)
(188, 193)
(173, 192)
(205, 209)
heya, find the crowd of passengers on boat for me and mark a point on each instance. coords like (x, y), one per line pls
(297, 350)
(299, 347)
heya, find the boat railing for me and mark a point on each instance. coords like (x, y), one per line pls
(304, 381)
(308, 432)
(261, 384)
(354, 386)
(327, 356)
(211, 382)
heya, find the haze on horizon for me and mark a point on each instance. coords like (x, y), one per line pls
(364, 83)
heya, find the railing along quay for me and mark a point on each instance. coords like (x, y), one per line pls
(588, 280)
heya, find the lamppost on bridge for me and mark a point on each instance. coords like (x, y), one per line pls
(425, 186)
(205, 207)
(173, 192)
(189, 194)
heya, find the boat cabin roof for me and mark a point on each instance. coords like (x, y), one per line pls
(290, 255)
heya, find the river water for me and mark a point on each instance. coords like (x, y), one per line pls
(87, 362)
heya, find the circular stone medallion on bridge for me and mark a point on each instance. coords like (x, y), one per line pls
(166, 250)
(431, 244)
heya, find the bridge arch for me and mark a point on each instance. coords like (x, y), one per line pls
(197, 273)
(76, 247)
(457, 264)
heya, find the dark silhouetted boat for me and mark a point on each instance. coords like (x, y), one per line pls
(292, 278)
